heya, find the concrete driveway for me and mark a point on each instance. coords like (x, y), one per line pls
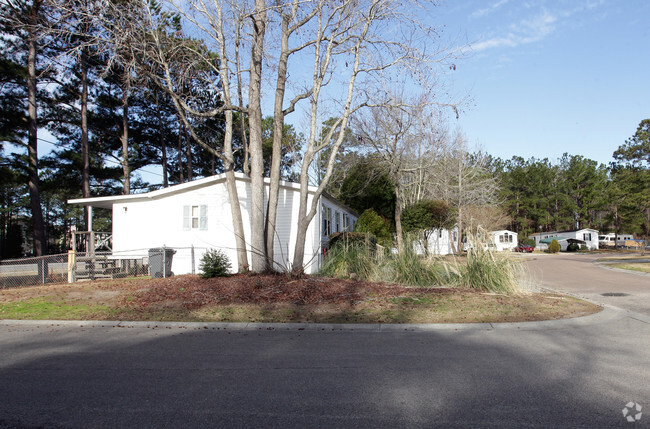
(581, 275)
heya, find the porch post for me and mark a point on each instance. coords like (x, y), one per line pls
(192, 257)
(72, 264)
(90, 217)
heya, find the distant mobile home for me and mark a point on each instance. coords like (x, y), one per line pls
(611, 239)
(198, 214)
(439, 244)
(586, 236)
(504, 239)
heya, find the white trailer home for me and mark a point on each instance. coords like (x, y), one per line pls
(438, 242)
(611, 239)
(587, 236)
(197, 215)
(504, 239)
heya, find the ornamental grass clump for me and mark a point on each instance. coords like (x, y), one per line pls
(489, 270)
(348, 259)
(214, 263)
(411, 269)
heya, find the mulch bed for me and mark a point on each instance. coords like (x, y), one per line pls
(195, 292)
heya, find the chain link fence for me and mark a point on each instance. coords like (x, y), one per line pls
(33, 271)
(78, 266)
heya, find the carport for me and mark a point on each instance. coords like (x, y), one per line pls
(564, 242)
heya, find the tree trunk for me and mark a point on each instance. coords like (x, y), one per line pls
(125, 141)
(240, 99)
(452, 243)
(179, 151)
(33, 182)
(163, 142)
(398, 216)
(297, 266)
(85, 153)
(276, 158)
(459, 196)
(459, 249)
(188, 155)
(258, 258)
(235, 208)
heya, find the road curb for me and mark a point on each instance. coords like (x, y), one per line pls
(605, 265)
(608, 314)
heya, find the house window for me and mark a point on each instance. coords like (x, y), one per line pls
(195, 217)
(346, 222)
(501, 238)
(440, 233)
(327, 221)
(454, 236)
(586, 236)
(337, 217)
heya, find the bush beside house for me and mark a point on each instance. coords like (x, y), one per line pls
(214, 263)
(554, 247)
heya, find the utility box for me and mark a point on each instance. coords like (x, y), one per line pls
(159, 258)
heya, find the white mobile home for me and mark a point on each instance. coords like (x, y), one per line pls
(438, 242)
(611, 239)
(197, 214)
(504, 239)
(587, 235)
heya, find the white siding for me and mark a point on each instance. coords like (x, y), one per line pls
(438, 243)
(504, 239)
(139, 226)
(285, 236)
(166, 218)
(590, 236)
(321, 237)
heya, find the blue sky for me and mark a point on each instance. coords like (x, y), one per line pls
(548, 77)
(544, 77)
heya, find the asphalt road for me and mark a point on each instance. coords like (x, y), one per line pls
(576, 373)
(580, 274)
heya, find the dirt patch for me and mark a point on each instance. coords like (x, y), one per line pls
(277, 298)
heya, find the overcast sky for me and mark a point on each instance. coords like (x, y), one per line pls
(548, 77)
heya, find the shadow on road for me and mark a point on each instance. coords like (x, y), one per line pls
(133, 377)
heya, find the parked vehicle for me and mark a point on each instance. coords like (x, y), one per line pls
(524, 248)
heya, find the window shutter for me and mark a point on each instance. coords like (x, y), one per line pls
(186, 218)
(203, 220)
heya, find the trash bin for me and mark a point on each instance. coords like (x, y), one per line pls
(157, 257)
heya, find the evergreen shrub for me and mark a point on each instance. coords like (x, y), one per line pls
(554, 247)
(214, 263)
(371, 222)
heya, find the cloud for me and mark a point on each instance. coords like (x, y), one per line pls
(491, 8)
(536, 22)
(523, 32)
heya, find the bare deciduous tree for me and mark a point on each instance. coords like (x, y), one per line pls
(393, 130)
(348, 42)
(352, 39)
(463, 180)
